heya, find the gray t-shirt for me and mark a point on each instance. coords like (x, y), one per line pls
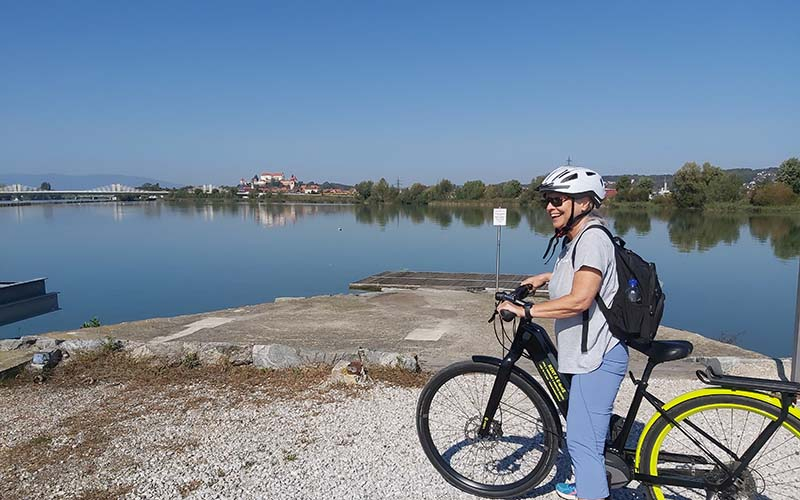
(594, 250)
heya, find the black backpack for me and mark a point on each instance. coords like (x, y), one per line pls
(632, 322)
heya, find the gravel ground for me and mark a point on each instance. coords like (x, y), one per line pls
(205, 441)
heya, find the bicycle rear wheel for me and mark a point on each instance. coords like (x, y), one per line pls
(734, 421)
(522, 445)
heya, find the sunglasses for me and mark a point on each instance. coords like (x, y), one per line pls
(556, 201)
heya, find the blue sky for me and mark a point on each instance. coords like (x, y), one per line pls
(195, 92)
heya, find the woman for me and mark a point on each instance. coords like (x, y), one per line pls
(595, 358)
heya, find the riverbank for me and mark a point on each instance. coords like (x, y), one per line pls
(109, 425)
(439, 326)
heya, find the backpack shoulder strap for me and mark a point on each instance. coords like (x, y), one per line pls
(598, 298)
(599, 226)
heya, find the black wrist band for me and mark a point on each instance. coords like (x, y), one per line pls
(528, 311)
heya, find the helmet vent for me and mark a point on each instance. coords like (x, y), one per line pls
(588, 174)
(562, 174)
(571, 178)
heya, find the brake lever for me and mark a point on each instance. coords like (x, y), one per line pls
(494, 315)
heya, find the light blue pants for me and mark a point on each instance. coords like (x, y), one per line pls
(591, 400)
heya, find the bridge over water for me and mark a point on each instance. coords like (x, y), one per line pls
(20, 190)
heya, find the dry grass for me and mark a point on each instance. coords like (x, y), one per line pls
(127, 389)
(120, 368)
(399, 377)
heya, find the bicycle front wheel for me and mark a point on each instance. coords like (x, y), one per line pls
(520, 449)
(726, 425)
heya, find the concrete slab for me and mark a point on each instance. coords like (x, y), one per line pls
(193, 328)
(12, 361)
(377, 321)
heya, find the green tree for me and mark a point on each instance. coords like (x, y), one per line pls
(531, 195)
(45, 186)
(789, 174)
(512, 189)
(471, 190)
(382, 192)
(445, 189)
(725, 187)
(364, 190)
(689, 187)
(413, 196)
(623, 183)
(493, 191)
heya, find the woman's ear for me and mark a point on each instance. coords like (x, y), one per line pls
(584, 203)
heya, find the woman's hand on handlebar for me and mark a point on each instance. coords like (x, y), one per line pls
(518, 311)
(538, 281)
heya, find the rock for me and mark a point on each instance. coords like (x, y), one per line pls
(46, 344)
(275, 356)
(75, 346)
(45, 359)
(167, 352)
(408, 362)
(213, 353)
(313, 357)
(348, 373)
(14, 344)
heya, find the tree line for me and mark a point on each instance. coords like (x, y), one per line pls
(696, 186)
(693, 186)
(445, 190)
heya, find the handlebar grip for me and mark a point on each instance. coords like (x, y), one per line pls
(522, 291)
(507, 315)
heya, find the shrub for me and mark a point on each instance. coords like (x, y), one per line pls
(773, 194)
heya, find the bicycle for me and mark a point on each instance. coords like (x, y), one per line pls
(491, 429)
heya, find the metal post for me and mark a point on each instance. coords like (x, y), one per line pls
(796, 352)
(499, 220)
(497, 267)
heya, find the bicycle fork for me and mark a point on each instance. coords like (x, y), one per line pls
(503, 374)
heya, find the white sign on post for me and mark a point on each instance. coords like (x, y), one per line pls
(499, 216)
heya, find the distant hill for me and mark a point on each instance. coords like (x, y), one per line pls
(746, 174)
(62, 181)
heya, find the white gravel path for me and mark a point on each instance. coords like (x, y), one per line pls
(201, 442)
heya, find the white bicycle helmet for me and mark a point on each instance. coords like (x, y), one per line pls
(576, 182)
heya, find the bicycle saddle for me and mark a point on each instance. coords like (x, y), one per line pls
(660, 351)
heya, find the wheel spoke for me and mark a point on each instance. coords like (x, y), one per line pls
(519, 448)
(735, 422)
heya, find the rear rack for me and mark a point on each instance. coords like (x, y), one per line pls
(760, 384)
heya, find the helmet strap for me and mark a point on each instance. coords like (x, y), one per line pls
(559, 233)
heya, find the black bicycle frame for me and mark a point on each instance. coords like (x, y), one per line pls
(532, 338)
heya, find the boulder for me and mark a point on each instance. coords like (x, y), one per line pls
(313, 357)
(213, 353)
(275, 356)
(167, 352)
(46, 344)
(75, 346)
(408, 362)
(14, 344)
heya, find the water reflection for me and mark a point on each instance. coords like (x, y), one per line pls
(782, 232)
(688, 231)
(638, 220)
(691, 231)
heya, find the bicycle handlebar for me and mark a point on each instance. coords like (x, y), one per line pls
(516, 297)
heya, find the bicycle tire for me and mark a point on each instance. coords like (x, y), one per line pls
(734, 420)
(533, 444)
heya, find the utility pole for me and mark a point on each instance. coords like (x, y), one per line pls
(398, 184)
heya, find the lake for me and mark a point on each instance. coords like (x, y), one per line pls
(731, 276)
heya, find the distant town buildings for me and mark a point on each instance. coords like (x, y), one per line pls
(277, 183)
